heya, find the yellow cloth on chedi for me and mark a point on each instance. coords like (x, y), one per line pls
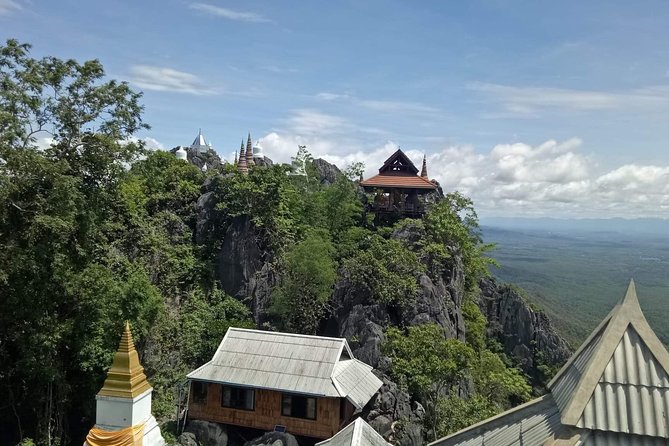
(130, 436)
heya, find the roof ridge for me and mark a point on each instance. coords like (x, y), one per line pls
(627, 313)
(281, 333)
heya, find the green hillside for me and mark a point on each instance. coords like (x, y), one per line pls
(578, 276)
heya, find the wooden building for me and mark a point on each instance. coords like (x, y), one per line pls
(398, 189)
(309, 385)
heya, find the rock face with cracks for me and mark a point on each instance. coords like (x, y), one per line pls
(526, 334)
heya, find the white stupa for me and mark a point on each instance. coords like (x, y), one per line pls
(181, 154)
(258, 150)
(123, 405)
(200, 145)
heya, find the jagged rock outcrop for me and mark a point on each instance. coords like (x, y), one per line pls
(392, 414)
(243, 266)
(362, 321)
(204, 433)
(274, 439)
(200, 159)
(327, 172)
(526, 335)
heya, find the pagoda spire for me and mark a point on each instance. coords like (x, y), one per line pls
(423, 172)
(125, 378)
(241, 164)
(249, 152)
(236, 158)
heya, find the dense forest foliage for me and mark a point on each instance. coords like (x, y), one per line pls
(96, 230)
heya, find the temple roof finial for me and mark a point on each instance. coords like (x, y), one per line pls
(249, 152)
(125, 378)
(423, 172)
(241, 164)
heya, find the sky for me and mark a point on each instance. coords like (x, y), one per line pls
(531, 108)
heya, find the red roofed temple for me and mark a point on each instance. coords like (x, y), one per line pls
(398, 188)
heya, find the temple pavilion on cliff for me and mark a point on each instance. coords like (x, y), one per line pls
(398, 189)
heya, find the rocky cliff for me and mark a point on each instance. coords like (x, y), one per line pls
(526, 334)
(245, 270)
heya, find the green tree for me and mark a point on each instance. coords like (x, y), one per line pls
(429, 365)
(55, 204)
(308, 277)
(383, 268)
(453, 223)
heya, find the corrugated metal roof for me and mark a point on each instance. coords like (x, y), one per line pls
(632, 395)
(530, 424)
(389, 180)
(563, 387)
(355, 380)
(615, 388)
(290, 362)
(598, 438)
(358, 433)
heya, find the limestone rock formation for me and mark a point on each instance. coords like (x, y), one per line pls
(204, 433)
(201, 159)
(274, 439)
(392, 414)
(362, 321)
(327, 172)
(526, 334)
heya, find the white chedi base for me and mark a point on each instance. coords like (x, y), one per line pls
(152, 435)
(115, 413)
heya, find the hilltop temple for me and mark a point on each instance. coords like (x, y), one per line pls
(123, 405)
(398, 189)
(613, 391)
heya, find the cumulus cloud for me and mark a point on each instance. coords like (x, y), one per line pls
(551, 179)
(229, 14)
(167, 79)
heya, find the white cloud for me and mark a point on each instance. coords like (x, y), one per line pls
(529, 101)
(152, 143)
(167, 79)
(8, 7)
(551, 179)
(384, 106)
(229, 13)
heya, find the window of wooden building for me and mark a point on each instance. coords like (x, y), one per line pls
(298, 406)
(199, 392)
(238, 398)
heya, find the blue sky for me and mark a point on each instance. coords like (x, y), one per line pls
(530, 107)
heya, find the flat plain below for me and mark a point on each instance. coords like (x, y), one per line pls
(577, 272)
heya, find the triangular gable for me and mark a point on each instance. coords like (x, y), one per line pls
(606, 374)
(398, 162)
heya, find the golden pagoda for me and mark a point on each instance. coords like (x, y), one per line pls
(125, 378)
(123, 405)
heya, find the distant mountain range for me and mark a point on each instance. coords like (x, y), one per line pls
(640, 226)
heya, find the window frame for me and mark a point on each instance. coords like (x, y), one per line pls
(306, 398)
(237, 388)
(204, 385)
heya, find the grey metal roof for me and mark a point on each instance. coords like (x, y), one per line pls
(614, 390)
(618, 381)
(632, 395)
(598, 438)
(358, 433)
(529, 424)
(355, 379)
(291, 363)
